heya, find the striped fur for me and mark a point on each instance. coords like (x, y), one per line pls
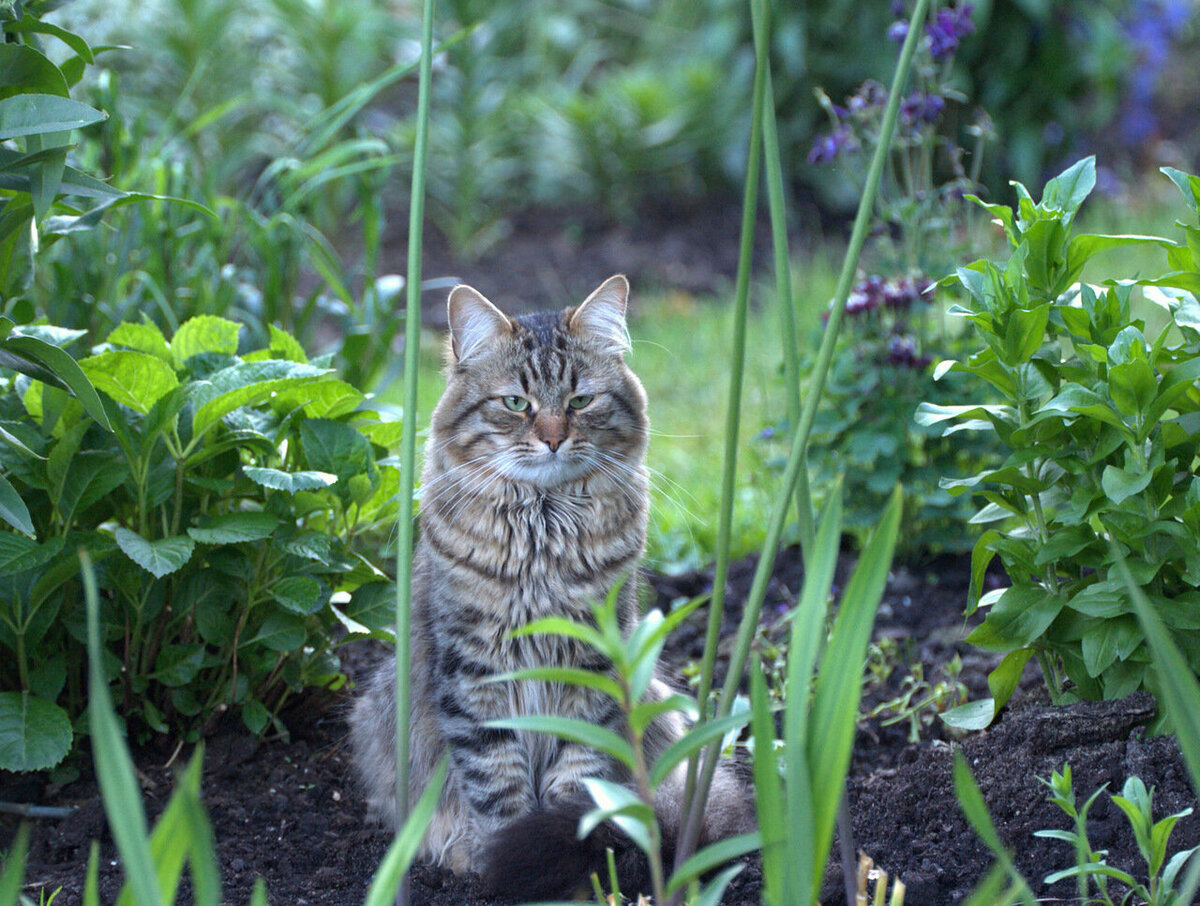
(524, 514)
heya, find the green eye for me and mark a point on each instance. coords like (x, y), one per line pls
(515, 403)
(578, 402)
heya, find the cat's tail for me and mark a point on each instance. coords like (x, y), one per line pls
(540, 856)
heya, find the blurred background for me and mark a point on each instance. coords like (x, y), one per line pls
(581, 138)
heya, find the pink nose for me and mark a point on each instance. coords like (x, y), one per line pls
(550, 429)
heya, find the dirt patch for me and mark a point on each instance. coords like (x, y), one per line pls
(287, 811)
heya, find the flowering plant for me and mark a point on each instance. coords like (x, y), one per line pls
(895, 327)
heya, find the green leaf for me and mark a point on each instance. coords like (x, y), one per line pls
(323, 399)
(204, 333)
(373, 605)
(289, 481)
(68, 372)
(23, 70)
(12, 873)
(571, 676)
(386, 883)
(18, 553)
(72, 40)
(255, 716)
(299, 594)
(1018, 617)
(234, 528)
(713, 856)
(694, 740)
(284, 346)
(569, 728)
(178, 665)
(13, 509)
(1120, 485)
(279, 632)
(335, 447)
(621, 806)
(144, 337)
(976, 715)
(839, 679)
(44, 114)
(157, 557)
(134, 379)
(247, 383)
(1068, 190)
(35, 734)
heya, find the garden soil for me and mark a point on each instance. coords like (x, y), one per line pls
(288, 811)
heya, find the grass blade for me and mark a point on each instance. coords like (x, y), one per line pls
(839, 680)
(404, 847)
(114, 769)
(778, 881)
(970, 799)
(14, 868)
(712, 856)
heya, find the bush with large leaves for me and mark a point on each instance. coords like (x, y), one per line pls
(226, 510)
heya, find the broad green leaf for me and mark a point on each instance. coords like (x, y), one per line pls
(569, 728)
(323, 399)
(35, 734)
(144, 337)
(65, 369)
(160, 557)
(18, 553)
(23, 70)
(291, 482)
(43, 114)
(247, 383)
(72, 40)
(694, 740)
(234, 528)
(335, 447)
(1067, 191)
(373, 605)
(255, 716)
(279, 632)
(177, 665)
(134, 379)
(299, 594)
(13, 509)
(1018, 617)
(204, 333)
(1120, 485)
(284, 346)
(1186, 183)
(976, 715)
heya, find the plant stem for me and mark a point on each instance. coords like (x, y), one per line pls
(408, 448)
(737, 663)
(716, 607)
(783, 291)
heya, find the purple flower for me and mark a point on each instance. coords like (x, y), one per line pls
(919, 107)
(869, 94)
(828, 147)
(898, 31)
(948, 28)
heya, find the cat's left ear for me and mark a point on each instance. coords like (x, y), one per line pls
(600, 318)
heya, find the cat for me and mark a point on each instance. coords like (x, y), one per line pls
(534, 502)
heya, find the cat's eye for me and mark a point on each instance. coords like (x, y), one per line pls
(578, 402)
(515, 403)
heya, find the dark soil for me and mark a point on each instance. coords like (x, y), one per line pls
(287, 811)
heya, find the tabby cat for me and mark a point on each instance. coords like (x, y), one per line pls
(533, 503)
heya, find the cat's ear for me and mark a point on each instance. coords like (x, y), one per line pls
(601, 316)
(474, 322)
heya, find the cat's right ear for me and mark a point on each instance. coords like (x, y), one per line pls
(474, 322)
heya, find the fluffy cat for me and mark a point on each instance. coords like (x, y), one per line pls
(533, 503)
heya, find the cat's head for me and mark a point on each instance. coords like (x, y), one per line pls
(544, 398)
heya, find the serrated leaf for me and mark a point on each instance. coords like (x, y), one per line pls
(204, 333)
(291, 482)
(279, 632)
(144, 337)
(335, 447)
(35, 734)
(284, 346)
(299, 594)
(373, 605)
(247, 383)
(177, 665)
(323, 399)
(159, 558)
(134, 379)
(234, 528)
(18, 553)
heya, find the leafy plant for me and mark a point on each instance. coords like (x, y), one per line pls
(1152, 837)
(1099, 416)
(633, 656)
(227, 510)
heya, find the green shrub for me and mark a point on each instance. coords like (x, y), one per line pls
(1101, 418)
(228, 512)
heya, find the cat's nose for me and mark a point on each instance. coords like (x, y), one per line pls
(550, 429)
